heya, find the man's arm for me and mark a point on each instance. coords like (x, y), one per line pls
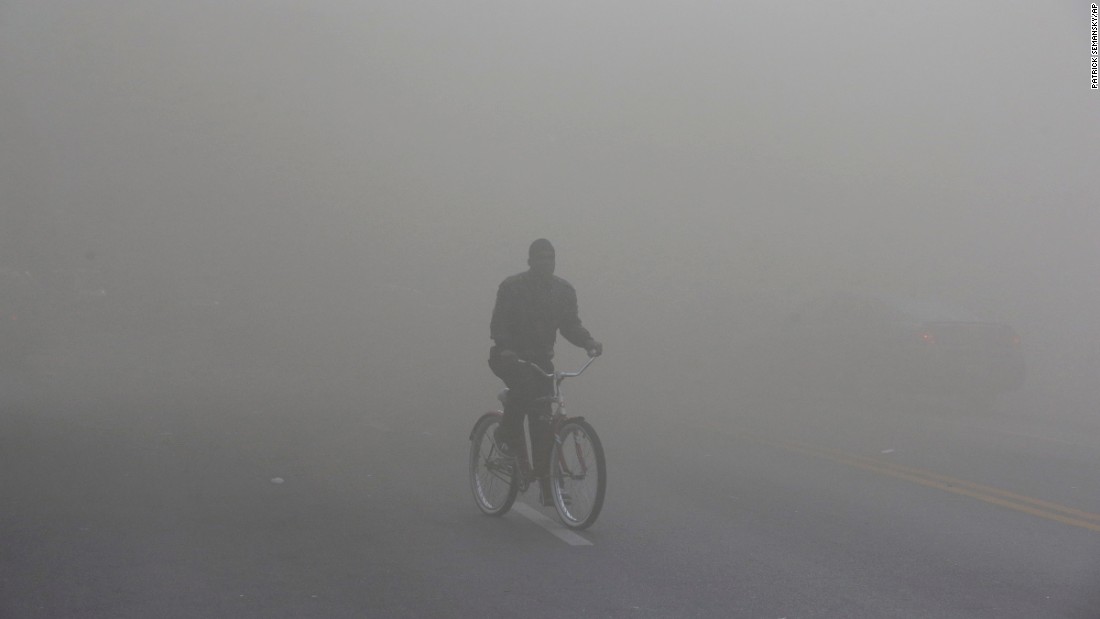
(572, 329)
(500, 325)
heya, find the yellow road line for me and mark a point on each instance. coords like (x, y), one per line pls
(996, 496)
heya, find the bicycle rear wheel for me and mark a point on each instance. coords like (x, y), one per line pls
(578, 474)
(492, 474)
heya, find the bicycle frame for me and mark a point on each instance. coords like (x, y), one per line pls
(557, 416)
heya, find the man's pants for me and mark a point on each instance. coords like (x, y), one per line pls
(525, 386)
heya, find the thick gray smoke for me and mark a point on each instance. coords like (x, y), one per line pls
(352, 180)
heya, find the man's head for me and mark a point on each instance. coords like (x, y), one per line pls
(540, 257)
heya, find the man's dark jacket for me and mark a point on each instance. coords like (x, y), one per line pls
(529, 312)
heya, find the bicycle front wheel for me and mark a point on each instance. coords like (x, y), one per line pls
(578, 474)
(492, 474)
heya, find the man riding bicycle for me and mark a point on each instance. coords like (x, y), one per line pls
(530, 309)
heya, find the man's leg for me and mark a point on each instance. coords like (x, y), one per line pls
(510, 433)
(542, 440)
(515, 405)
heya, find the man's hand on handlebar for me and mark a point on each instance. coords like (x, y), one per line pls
(594, 348)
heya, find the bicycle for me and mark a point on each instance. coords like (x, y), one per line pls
(578, 470)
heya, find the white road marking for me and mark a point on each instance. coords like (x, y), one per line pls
(561, 532)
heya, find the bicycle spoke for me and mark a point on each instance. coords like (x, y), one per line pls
(578, 475)
(491, 474)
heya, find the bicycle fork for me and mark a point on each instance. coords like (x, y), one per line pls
(563, 466)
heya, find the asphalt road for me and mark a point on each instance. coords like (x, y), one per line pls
(197, 500)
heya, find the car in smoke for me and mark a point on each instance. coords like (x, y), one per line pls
(860, 344)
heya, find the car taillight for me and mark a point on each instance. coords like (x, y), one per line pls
(927, 337)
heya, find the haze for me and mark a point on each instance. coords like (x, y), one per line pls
(322, 197)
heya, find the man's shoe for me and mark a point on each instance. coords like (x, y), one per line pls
(548, 499)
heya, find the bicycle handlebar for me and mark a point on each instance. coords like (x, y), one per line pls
(558, 376)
